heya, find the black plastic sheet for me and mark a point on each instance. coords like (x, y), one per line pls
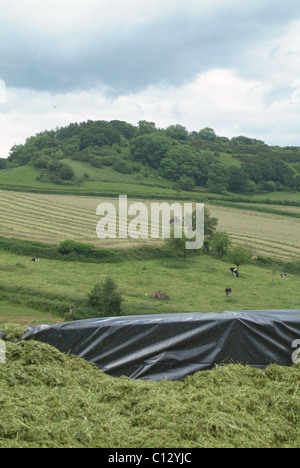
(171, 347)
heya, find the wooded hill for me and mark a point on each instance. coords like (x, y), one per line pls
(187, 159)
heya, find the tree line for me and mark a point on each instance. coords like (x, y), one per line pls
(189, 159)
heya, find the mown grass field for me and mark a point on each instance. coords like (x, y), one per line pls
(54, 218)
(261, 233)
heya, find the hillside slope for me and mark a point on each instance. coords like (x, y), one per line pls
(86, 157)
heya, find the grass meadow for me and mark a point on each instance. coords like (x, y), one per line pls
(196, 285)
(21, 314)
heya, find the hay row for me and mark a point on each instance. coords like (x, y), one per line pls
(18, 209)
(263, 247)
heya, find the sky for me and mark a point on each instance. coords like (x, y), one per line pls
(232, 65)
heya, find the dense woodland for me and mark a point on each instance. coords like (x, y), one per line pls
(189, 159)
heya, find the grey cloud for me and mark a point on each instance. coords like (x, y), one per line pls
(171, 50)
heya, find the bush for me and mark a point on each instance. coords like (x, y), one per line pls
(3, 164)
(96, 161)
(42, 162)
(220, 244)
(109, 161)
(187, 183)
(239, 256)
(123, 167)
(69, 246)
(66, 172)
(105, 299)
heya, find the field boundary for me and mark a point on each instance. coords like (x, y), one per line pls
(188, 196)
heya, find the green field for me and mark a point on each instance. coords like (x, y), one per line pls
(18, 313)
(54, 218)
(102, 182)
(197, 285)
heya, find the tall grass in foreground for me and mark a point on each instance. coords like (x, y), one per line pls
(51, 400)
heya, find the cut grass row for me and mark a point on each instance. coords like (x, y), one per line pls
(267, 248)
(261, 233)
(54, 218)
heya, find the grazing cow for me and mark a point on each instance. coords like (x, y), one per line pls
(284, 276)
(235, 272)
(35, 259)
(228, 292)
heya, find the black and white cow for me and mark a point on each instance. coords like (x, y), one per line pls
(235, 272)
(228, 292)
(35, 259)
(284, 276)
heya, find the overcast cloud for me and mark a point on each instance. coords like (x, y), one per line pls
(232, 65)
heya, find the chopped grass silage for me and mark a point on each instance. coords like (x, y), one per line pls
(52, 400)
